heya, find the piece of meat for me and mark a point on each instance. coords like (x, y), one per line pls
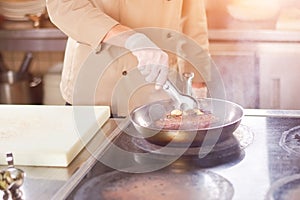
(187, 121)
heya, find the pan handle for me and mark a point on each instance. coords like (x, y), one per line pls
(182, 101)
(172, 91)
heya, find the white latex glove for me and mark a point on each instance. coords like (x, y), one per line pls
(152, 61)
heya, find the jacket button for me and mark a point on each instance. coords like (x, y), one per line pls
(169, 35)
(124, 73)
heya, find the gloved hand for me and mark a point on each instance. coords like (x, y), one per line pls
(152, 61)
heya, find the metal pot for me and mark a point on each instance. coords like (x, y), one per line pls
(17, 88)
(228, 113)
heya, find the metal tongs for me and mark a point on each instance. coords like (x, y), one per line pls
(182, 101)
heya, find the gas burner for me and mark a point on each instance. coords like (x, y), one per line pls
(226, 151)
(287, 188)
(243, 137)
(166, 184)
(208, 156)
(229, 151)
(290, 141)
(229, 144)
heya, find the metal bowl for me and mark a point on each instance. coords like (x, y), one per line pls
(228, 113)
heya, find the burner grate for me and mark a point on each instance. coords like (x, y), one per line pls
(290, 141)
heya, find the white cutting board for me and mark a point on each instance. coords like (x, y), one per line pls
(40, 135)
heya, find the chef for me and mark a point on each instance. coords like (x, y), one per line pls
(106, 28)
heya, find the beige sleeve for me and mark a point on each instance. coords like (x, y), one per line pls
(80, 20)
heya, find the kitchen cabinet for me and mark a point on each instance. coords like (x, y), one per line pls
(279, 76)
(239, 72)
(269, 55)
(259, 74)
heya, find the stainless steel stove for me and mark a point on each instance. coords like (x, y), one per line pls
(258, 166)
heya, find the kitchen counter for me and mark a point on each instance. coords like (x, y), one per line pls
(43, 39)
(52, 39)
(8, 37)
(44, 182)
(257, 168)
(223, 27)
(245, 35)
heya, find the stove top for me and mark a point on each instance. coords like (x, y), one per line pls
(255, 167)
(161, 184)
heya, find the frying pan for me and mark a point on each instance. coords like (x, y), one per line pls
(229, 116)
